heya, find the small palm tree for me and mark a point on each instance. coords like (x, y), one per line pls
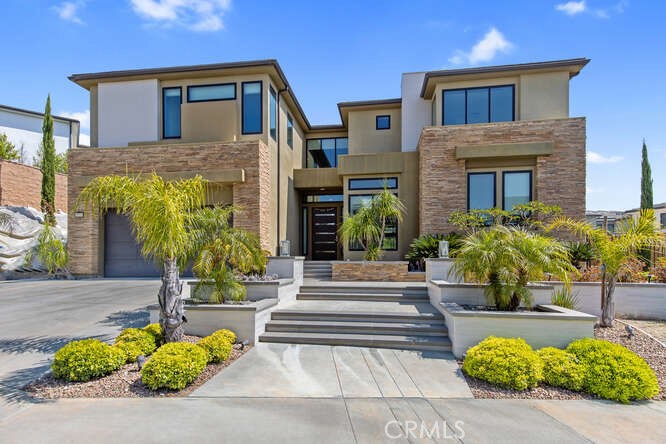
(368, 225)
(615, 250)
(508, 258)
(159, 212)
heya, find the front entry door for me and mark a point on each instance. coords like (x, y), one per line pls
(324, 233)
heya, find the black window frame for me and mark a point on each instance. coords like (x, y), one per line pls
(351, 246)
(190, 87)
(320, 139)
(494, 173)
(290, 131)
(272, 115)
(662, 220)
(180, 124)
(489, 88)
(504, 173)
(388, 116)
(261, 107)
(384, 179)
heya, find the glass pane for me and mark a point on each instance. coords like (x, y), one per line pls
(340, 148)
(315, 198)
(454, 107)
(501, 104)
(383, 122)
(517, 188)
(273, 114)
(357, 201)
(290, 131)
(481, 191)
(211, 92)
(252, 108)
(373, 184)
(171, 112)
(328, 148)
(313, 153)
(477, 105)
(663, 220)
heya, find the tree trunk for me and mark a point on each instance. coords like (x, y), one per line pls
(171, 304)
(608, 301)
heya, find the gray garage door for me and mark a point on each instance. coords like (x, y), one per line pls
(122, 255)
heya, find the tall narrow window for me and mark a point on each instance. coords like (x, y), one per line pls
(480, 191)
(171, 100)
(273, 113)
(454, 107)
(251, 114)
(290, 131)
(516, 188)
(477, 105)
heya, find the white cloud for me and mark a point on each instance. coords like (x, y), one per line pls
(492, 43)
(69, 11)
(83, 117)
(196, 15)
(84, 139)
(572, 8)
(598, 158)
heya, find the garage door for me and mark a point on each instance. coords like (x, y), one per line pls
(122, 255)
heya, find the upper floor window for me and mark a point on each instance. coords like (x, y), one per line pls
(323, 153)
(208, 93)
(374, 183)
(383, 122)
(478, 105)
(273, 113)
(171, 101)
(252, 110)
(290, 131)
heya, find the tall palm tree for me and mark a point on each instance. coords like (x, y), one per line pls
(158, 212)
(615, 250)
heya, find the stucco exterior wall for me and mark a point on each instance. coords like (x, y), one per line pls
(365, 138)
(21, 185)
(544, 96)
(416, 112)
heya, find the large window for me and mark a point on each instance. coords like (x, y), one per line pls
(323, 153)
(516, 188)
(290, 131)
(208, 93)
(171, 101)
(356, 201)
(484, 191)
(273, 114)
(251, 114)
(480, 191)
(478, 105)
(373, 184)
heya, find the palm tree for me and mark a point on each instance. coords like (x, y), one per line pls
(367, 225)
(508, 258)
(615, 251)
(159, 212)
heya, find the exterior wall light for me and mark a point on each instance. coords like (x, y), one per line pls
(78, 214)
(285, 248)
(443, 249)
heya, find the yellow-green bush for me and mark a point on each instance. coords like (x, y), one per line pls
(155, 330)
(613, 371)
(85, 360)
(228, 334)
(218, 347)
(561, 369)
(174, 365)
(134, 342)
(506, 362)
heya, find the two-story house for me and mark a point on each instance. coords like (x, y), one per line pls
(455, 140)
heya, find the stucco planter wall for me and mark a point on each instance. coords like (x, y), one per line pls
(280, 289)
(551, 327)
(386, 271)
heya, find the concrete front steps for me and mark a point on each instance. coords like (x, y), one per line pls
(320, 270)
(391, 316)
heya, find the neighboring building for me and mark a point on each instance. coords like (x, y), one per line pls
(21, 186)
(24, 129)
(455, 139)
(611, 219)
(659, 212)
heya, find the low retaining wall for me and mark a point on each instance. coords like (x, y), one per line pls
(552, 327)
(279, 289)
(386, 271)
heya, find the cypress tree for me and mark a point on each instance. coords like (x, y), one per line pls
(646, 180)
(47, 166)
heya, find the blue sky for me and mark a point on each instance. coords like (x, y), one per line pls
(349, 50)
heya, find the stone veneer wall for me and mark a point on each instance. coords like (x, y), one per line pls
(388, 271)
(21, 185)
(86, 238)
(559, 178)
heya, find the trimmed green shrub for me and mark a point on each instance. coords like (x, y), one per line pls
(218, 347)
(134, 342)
(174, 365)
(85, 360)
(613, 371)
(155, 330)
(561, 369)
(228, 334)
(506, 362)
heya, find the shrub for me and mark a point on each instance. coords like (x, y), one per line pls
(427, 245)
(155, 330)
(174, 365)
(613, 371)
(134, 342)
(659, 270)
(85, 360)
(218, 347)
(561, 369)
(506, 362)
(228, 334)
(565, 297)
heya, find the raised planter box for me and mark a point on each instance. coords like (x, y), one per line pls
(386, 271)
(280, 289)
(551, 326)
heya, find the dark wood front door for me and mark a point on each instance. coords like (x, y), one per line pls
(324, 233)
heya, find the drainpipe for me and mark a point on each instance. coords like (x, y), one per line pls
(277, 137)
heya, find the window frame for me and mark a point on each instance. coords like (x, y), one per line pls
(505, 172)
(489, 88)
(180, 123)
(290, 131)
(388, 116)
(272, 114)
(384, 179)
(261, 107)
(397, 225)
(471, 173)
(662, 220)
(320, 139)
(190, 87)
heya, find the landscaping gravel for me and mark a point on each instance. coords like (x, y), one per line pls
(125, 382)
(641, 344)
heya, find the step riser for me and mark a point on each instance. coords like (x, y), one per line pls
(418, 292)
(403, 299)
(351, 318)
(357, 343)
(364, 331)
